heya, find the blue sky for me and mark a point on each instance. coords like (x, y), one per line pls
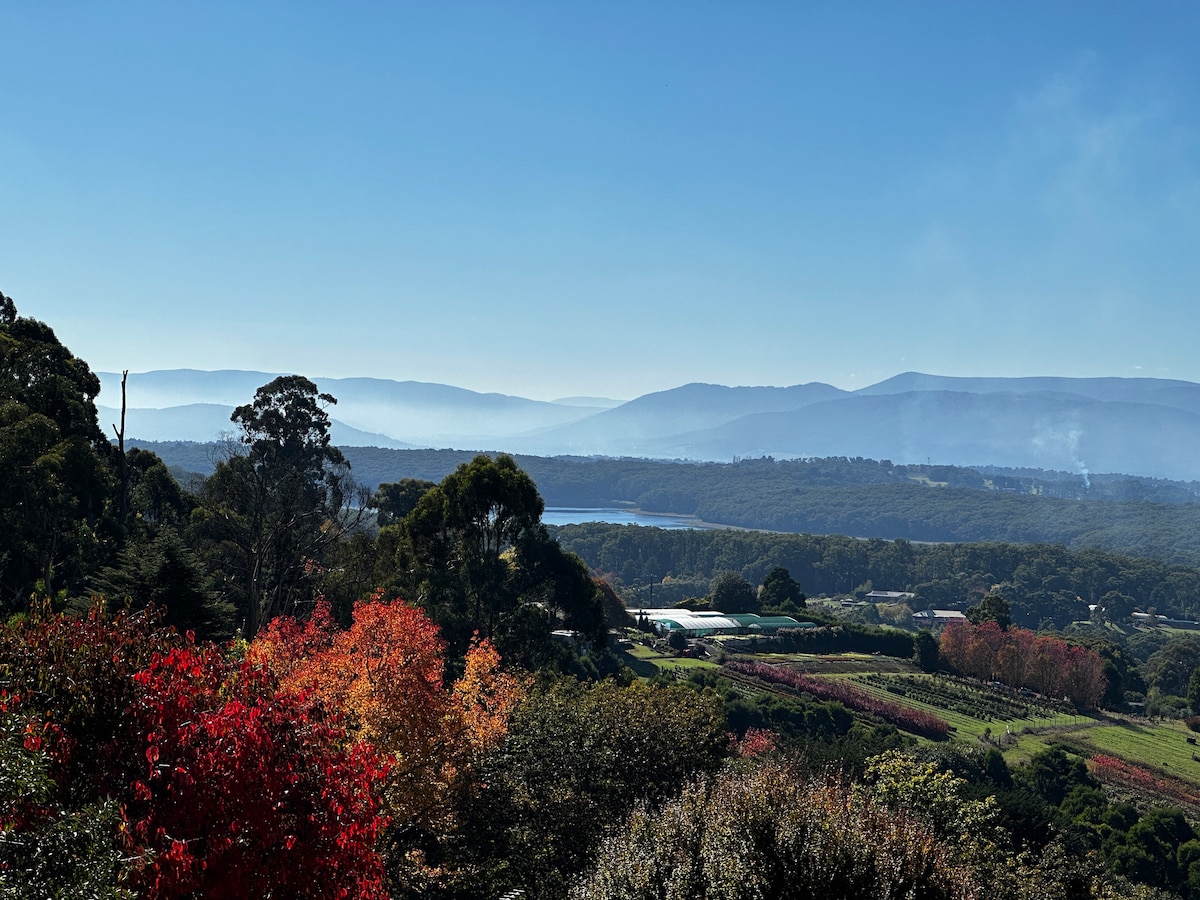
(553, 199)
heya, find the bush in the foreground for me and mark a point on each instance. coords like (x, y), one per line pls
(225, 785)
(770, 833)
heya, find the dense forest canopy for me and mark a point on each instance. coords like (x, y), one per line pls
(859, 497)
(1041, 581)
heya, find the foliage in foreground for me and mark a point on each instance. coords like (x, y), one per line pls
(910, 830)
(227, 785)
(576, 759)
(772, 833)
(386, 675)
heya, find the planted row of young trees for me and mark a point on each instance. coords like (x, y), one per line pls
(912, 720)
(1019, 657)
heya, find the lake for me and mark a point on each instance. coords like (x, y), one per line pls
(558, 515)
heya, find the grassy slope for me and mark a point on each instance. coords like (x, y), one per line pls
(1161, 748)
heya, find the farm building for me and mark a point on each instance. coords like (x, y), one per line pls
(889, 597)
(705, 623)
(938, 617)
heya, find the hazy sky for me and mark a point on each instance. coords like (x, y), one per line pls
(607, 198)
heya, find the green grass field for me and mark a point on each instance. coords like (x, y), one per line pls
(647, 662)
(1020, 727)
(1156, 746)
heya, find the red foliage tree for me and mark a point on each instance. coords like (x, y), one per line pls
(228, 785)
(1020, 658)
(243, 790)
(385, 674)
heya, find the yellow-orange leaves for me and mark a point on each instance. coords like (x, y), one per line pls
(385, 674)
(485, 698)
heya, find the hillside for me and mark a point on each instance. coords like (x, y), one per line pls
(1139, 426)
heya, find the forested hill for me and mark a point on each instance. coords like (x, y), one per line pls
(1041, 582)
(857, 497)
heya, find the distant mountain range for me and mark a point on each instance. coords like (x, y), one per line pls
(1138, 426)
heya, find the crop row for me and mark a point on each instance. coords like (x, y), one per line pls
(914, 720)
(1118, 771)
(969, 701)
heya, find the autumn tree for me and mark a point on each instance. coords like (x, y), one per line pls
(226, 785)
(386, 675)
(1021, 658)
(247, 791)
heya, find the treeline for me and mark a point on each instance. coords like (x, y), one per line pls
(859, 497)
(1040, 581)
(279, 520)
(1021, 658)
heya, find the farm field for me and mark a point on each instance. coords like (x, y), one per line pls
(1019, 726)
(1163, 747)
(1022, 728)
(647, 662)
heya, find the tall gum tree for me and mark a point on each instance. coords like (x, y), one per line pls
(474, 553)
(281, 499)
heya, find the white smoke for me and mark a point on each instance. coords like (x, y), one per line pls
(1060, 442)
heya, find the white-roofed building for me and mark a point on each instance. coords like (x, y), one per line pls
(704, 623)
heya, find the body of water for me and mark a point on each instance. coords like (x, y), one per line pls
(558, 515)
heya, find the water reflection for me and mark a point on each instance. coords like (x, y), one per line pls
(559, 515)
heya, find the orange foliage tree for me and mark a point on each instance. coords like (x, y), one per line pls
(386, 675)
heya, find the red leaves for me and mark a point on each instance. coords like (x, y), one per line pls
(385, 677)
(757, 742)
(218, 771)
(1112, 770)
(1020, 658)
(237, 757)
(913, 720)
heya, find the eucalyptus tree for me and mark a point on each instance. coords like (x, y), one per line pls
(474, 553)
(279, 501)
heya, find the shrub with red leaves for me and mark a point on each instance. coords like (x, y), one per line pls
(229, 786)
(914, 720)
